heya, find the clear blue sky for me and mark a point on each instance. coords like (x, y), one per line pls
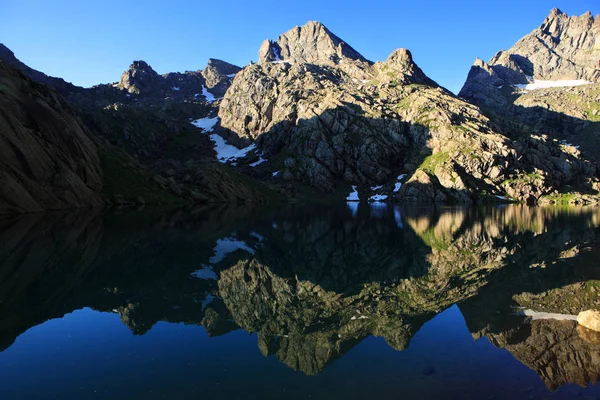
(91, 41)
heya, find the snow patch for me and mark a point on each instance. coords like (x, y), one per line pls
(175, 88)
(378, 197)
(277, 54)
(376, 187)
(276, 173)
(398, 184)
(227, 246)
(209, 96)
(225, 151)
(231, 75)
(534, 85)
(354, 195)
(501, 197)
(207, 124)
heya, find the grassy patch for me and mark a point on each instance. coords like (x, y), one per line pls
(431, 162)
(561, 198)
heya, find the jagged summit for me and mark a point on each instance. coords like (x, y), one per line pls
(562, 48)
(312, 43)
(139, 78)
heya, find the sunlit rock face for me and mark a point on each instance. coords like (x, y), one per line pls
(324, 116)
(548, 82)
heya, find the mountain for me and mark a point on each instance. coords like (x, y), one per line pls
(562, 49)
(315, 120)
(140, 130)
(209, 83)
(47, 159)
(322, 115)
(548, 82)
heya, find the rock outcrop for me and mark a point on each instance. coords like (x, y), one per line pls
(47, 159)
(218, 76)
(211, 82)
(140, 78)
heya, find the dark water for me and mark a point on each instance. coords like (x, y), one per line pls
(299, 302)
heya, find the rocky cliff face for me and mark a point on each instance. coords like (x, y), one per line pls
(562, 48)
(329, 118)
(48, 160)
(548, 83)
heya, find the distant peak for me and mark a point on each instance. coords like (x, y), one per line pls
(555, 12)
(139, 64)
(310, 43)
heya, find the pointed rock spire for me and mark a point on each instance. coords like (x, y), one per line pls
(312, 43)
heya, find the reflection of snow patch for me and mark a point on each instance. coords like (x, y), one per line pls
(257, 236)
(501, 197)
(398, 217)
(205, 273)
(227, 246)
(260, 161)
(544, 315)
(378, 209)
(353, 196)
(374, 188)
(353, 206)
(275, 173)
(175, 88)
(209, 299)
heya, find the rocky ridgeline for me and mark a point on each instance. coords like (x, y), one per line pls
(323, 120)
(562, 48)
(325, 116)
(210, 83)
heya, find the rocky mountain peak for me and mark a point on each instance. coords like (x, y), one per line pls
(218, 75)
(562, 48)
(139, 78)
(312, 43)
(401, 68)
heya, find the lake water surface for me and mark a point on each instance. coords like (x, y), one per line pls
(300, 302)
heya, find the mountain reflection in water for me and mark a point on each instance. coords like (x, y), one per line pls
(314, 285)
